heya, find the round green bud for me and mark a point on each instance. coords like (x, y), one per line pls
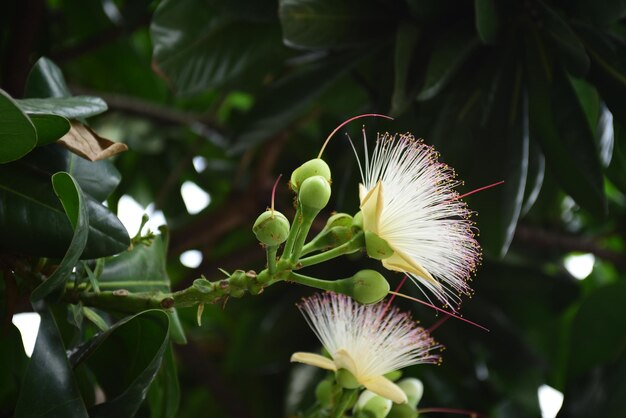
(324, 392)
(271, 228)
(368, 286)
(403, 410)
(314, 193)
(314, 167)
(413, 388)
(371, 405)
(377, 247)
(346, 380)
(357, 221)
(339, 219)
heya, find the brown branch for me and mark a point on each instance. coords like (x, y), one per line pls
(561, 241)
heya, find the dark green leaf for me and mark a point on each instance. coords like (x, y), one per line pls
(406, 39)
(195, 48)
(558, 122)
(46, 80)
(567, 44)
(164, 393)
(616, 169)
(534, 179)
(32, 219)
(333, 24)
(71, 197)
(601, 13)
(49, 387)
(17, 133)
(487, 20)
(69, 107)
(49, 127)
(13, 362)
(449, 54)
(125, 360)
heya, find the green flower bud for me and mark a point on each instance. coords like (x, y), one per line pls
(377, 247)
(371, 405)
(271, 228)
(324, 393)
(413, 388)
(357, 221)
(314, 193)
(339, 219)
(346, 379)
(366, 286)
(315, 167)
(403, 410)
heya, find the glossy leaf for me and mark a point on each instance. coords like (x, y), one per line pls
(49, 387)
(125, 379)
(487, 20)
(164, 393)
(46, 80)
(195, 48)
(69, 107)
(558, 122)
(49, 127)
(17, 133)
(316, 24)
(33, 221)
(13, 362)
(73, 202)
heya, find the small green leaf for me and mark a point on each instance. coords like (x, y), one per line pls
(46, 80)
(69, 107)
(49, 127)
(17, 133)
(487, 20)
(71, 197)
(96, 319)
(49, 388)
(317, 24)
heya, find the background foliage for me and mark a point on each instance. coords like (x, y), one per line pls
(529, 92)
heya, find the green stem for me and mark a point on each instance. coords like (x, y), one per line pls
(271, 258)
(307, 221)
(293, 233)
(347, 399)
(312, 281)
(355, 244)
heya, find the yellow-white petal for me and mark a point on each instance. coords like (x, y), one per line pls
(343, 360)
(313, 359)
(402, 262)
(384, 387)
(372, 207)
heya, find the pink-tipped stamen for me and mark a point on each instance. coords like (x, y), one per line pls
(471, 414)
(393, 295)
(439, 309)
(345, 123)
(480, 189)
(438, 324)
(274, 192)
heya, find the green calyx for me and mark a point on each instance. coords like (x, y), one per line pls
(339, 219)
(370, 405)
(271, 228)
(377, 247)
(357, 221)
(366, 286)
(346, 380)
(402, 411)
(413, 388)
(314, 167)
(314, 193)
(324, 392)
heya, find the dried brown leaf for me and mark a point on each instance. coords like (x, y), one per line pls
(81, 140)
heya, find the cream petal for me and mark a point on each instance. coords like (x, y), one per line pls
(384, 387)
(400, 261)
(362, 192)
(343, 360)
(313, 359)
(372, 207)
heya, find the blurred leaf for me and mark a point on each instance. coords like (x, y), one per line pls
(49, 388)
(567, 44)
(49, 127)
(616, 169)
(251, 10)
(13, 362)
(534, 179)
(318, 24)
(558, 122)
(449, 54)
(82, 141)
(69, 107)
(125, 360)
(143, 269)
(407, 37)
(288, 98)
(487, 20)
(164, 392)
(17, 133)
(46, 80)
(33, 222)
(195, 48)
(608, 335)
(600, 13)
(71, 197)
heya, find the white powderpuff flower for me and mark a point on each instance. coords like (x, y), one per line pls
(368, 341)
(408, 199)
